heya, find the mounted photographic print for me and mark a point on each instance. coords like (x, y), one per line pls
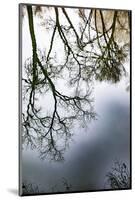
(75, 99)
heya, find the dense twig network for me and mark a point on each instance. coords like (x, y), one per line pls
(90, 51)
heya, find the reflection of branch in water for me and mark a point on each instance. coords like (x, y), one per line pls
(119, 177)
(67, 185)
(109, 64)
(63, 185)
(29, 188)
(92, 53)
(43, 132)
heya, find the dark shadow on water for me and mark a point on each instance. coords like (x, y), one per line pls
(13, 191)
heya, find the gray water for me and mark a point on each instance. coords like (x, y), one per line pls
(93, 150)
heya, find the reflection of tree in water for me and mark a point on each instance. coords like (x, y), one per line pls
(119, 177)
(90, 51)
(29, 188)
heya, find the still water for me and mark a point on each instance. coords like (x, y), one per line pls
(92, 151)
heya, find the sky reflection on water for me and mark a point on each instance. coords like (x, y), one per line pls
(93, 151)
